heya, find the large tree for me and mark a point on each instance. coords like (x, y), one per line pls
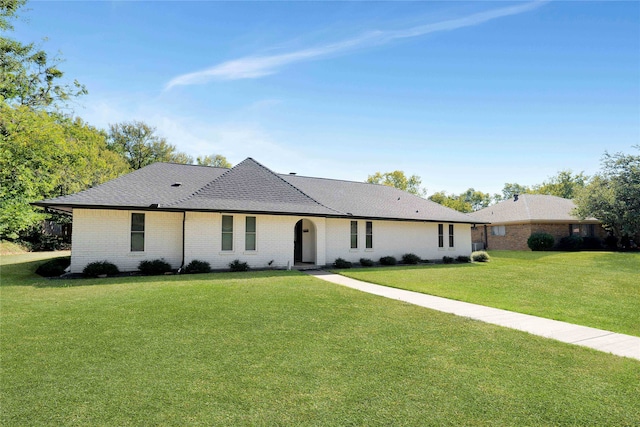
(399, 180)
(141, 146)
(564, 184)
(469, 201)
(216, 160)
(613, 195)
(46, 155)
(28, 75)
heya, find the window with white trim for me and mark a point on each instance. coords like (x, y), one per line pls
(451, 241)
(369, 235)
(250, 234)
(441, 235)
(227, 233)
(354, 234)
(137, 232)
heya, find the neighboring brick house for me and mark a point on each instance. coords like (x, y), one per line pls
(511, 222)
(184, 212)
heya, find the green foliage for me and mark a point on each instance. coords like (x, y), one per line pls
(410, 259)
(44, 155)
(463, 258)
(236, 265)
(54, 267)
(197, 266)
(154, 267)
(469, 201)
(28, 77)
(540, 241)
(613, 195)
(511, 189)
(217, 160)
(480, 256)
(99, 268)
(447, 260)
(138, 143)
(564, 184)
(399, 180)
(388, 260)
(366, 262)
(342, 263)
(570, 243)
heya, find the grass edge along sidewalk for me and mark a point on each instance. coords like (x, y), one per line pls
(596, 289)
(598, 339)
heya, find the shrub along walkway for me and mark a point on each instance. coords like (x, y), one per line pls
(609, 342)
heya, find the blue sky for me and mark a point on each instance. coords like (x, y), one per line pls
(463, 94)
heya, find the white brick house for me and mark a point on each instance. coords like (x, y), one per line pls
(181, 213)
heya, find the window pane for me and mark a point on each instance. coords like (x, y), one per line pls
(227, 241)
(441, 241)
(369, 241)
(251, 224)
(250, 242)
(137, 241)
(369, 235)
(354, 227)
(450, 235)
(227, 223)
(354, 241)
(137, 222)
(369, 227)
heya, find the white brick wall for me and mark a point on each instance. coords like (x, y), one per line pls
(105, 235)
(100, 235)
(395, 238)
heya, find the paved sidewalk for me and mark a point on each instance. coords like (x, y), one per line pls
(609, 342)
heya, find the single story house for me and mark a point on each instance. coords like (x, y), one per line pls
(181, 213)
(509, 224)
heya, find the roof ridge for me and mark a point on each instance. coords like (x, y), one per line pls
(290, 184)
(250, 159)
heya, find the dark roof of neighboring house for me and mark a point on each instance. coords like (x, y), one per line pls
(251, 187)
(530, 208)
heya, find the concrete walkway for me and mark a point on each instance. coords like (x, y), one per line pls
(609, 342)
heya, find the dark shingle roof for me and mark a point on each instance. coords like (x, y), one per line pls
(251, 187)
(529, 208)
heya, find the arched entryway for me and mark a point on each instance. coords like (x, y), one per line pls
(304, 242)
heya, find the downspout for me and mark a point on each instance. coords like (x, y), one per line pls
(184, 218)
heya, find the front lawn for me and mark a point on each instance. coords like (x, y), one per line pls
(281, 348)
(597, 289)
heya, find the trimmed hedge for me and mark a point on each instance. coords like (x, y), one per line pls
(154, 267)
(342, 263)
(237, 265)
(388, 260)
(99, 268)
(540, 242)
(197, 266)
(447, 260)
(54, 267)
(480, 256)
(366, 262)
(410, 259)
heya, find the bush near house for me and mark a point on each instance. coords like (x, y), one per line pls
(197, 266)
(540, 241)
(447, 260)
(366, 262)
(463, 258)
(410, 259)
(342, 263)
(388, 260)
(99, 268)
(154, 267)
(570, 243)
(237, 265)
(54, 268)
(480, 256)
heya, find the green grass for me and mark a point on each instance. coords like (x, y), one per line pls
(281, 348)
(597, 289)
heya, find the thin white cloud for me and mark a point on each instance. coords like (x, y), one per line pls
(252, 67)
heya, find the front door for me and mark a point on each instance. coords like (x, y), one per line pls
(297, 243)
